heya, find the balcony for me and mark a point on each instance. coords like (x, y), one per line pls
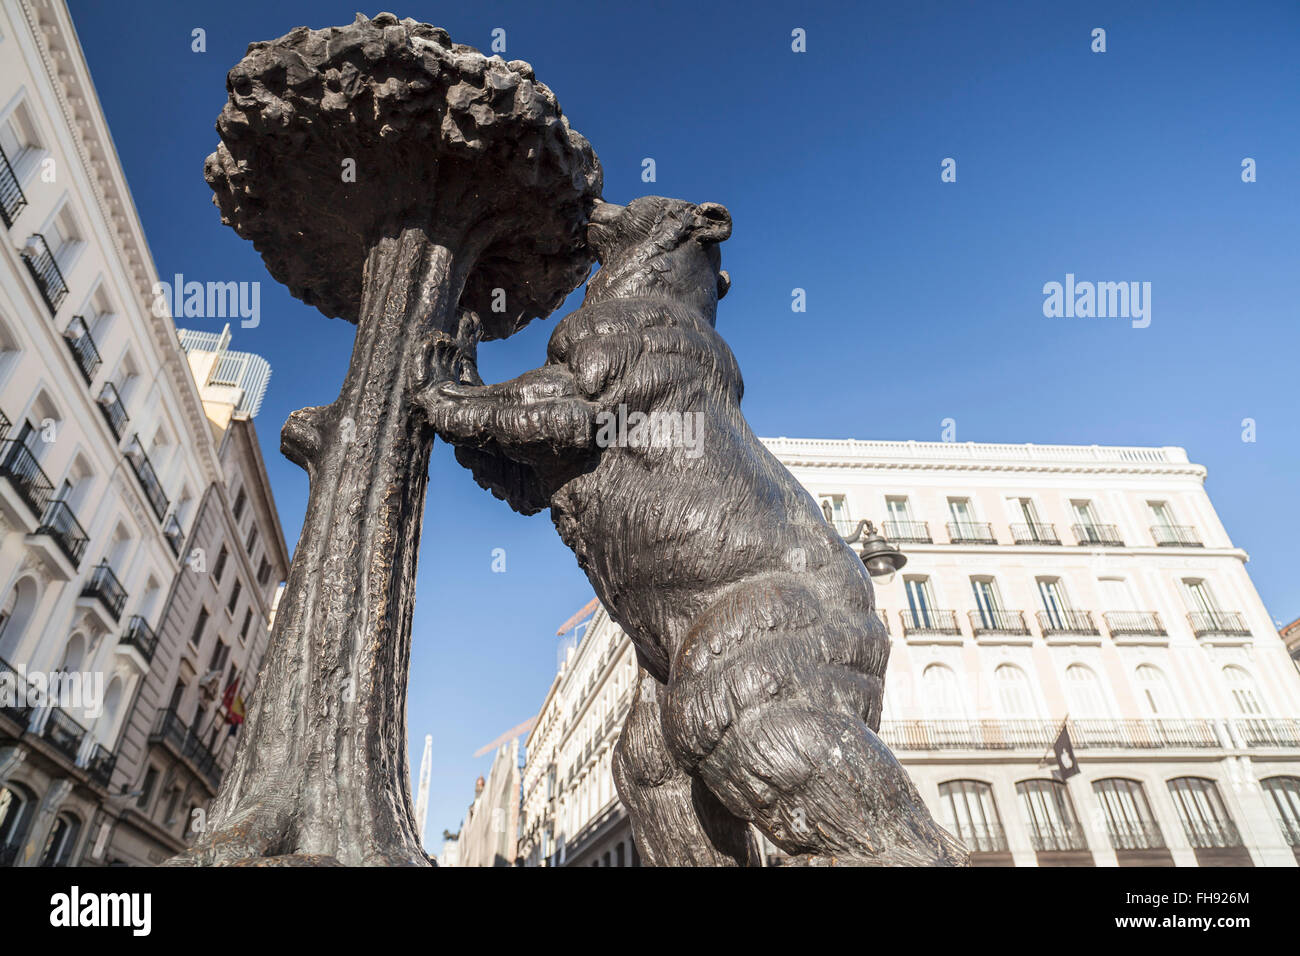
(148, 478)
(12, 199)
(971, 532)
(1034, 534)
(182, 741)
(1135, 835)
(1106, 535)
(907, 532)
(1134, 624)
(62, 526)
(983, 837)
(1211, 834)
(998, 622)
(100, 765)
(83, 348)
(174, 535)
(929, 621)
(45, 270)
(110, 404)
(1053, 838)
(104, 586)
(1101, 734)
(19, 465)
(1269, 732)
(17, 707)
(1226, 623)
(1175, 536)
(1066, 622)
(140, 636)
(1038, 735)
(64, 733)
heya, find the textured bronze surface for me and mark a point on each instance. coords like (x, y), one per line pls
(468, 181)
(761, 659)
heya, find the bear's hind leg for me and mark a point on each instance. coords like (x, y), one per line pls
(676, 820)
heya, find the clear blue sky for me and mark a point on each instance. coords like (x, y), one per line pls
(924, 298)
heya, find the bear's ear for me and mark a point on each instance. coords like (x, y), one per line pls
(712, 222)
(724, 282)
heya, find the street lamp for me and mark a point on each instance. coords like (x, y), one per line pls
(881, 558)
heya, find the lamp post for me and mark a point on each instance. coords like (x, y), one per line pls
(881, 558)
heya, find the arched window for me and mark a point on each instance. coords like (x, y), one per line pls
(971, 814)
(1205, 818)
(10, 352)
(942, 694)
(74, 654)
(17, 614)
(1084, 692)
(15, 812)
(1129, 822)
(1050, 815)
(107, 723)
(1244, 692)
(1157, 696)
(62, 840)
(1285, 794)
(1015, 696)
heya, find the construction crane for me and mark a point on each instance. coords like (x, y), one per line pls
(422, 795)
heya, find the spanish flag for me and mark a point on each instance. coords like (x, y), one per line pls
(233, 702)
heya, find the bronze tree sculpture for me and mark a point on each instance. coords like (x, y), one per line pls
(761, 659)
(433, 197)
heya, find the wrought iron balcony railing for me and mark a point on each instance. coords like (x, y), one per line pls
(100, 765)
(998, 622)
(1176, 536)
(1141, 623)
(1269, 731)
(1034, 534)
(971, 532)
(103, 584)
(63, 732)
(1228, 623)
(1098, 534)
(141, 636)
(907, 532)
(174, 535)
(83, 347)
(17, 707)
(929, 621)
(1212, 834)
(110, 404)
(4, 425)
(19, 465)
(1290, 831)
(61, 524)
(1055, 838)
(1134, 835)
(983, 837)
(185, 743)
(12, 199)
(45, 270)
(1066, 622)
(1031, 735)
(147, 477)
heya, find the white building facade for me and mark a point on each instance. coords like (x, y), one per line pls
(106, 448)
(1085, 587)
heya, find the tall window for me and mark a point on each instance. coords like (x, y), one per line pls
(1161, 514)
(20, 143)
(942, 695)
(920, 601)
(1199, 596)
(961, 512)
(61, 841)
(238, 509)
(1014, 693)
(971, 813)
(1084, 692)
(197, 636)
(1285, 794)
(1049, 812)
(15, 805)
(988, 601)
(1055, 601)
(1086, 517)
(220, 565)
(234, 595)
(1244, 692)
(1129, 822)
(1116, 594)
(836, 511)
(1205, 818)
(898, 509)
(1154, 689)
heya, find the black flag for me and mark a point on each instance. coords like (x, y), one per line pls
(1067, 766)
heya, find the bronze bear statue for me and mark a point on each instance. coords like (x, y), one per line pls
(762, 661)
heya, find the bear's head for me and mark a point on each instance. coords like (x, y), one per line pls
(659, 247)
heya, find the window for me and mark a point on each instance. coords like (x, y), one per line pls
(1285, 794)
(263, 572)
(919, 600)
(64, 239)
(898, 509)
(243, 628)
(1129, 822)
(252, 540)
(1116, 594)
(15, 805)
(1015, 696)
(220, 567)
(1084, 693)
(1056, 605)
(972, 815)
(197, 636)
(1053, 825)
(61, 841)
(1244, 692)
(20, 143)
(220, 653)
(1199, 596)
(173, 802)
(240, 500)
(146, 788)
(234, 596)
(1161, 514)
(942, 694)
(988, 602)
(1205, 818)
(1155, 691)
(960, 510)
(836, 512)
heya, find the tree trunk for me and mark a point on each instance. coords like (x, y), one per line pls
(321, 772)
